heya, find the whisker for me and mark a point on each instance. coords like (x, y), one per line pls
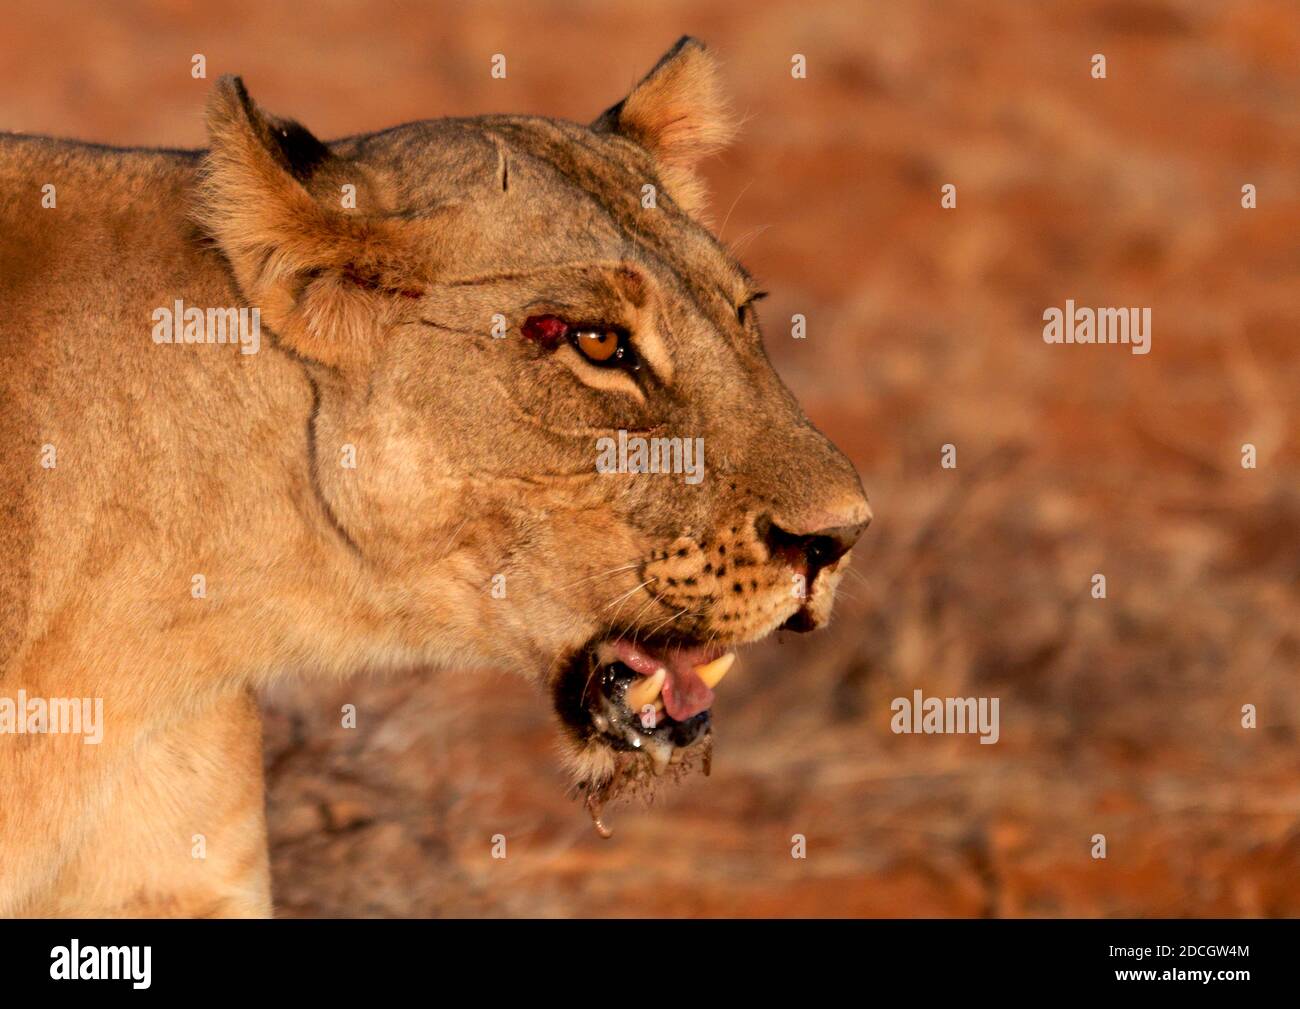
(629, 592)
(446, 547)
(668, 621)
(854, 572)
(748, 237)
(723, 230)
(653, 597)
(600, 574)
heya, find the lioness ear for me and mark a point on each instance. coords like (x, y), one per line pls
(317, 273)
(679, 114)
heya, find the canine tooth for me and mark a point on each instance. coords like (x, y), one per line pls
(645, 690)
(649, 716)
(713, 672)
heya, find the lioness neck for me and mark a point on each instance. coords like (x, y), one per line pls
(222, 564)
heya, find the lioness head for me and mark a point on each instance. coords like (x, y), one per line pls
(568, 451)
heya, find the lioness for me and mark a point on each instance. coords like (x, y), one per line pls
(456, 316)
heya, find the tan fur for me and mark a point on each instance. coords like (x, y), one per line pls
(475, 455)
(680, 114)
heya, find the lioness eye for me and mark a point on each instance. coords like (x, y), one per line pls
(597, 345)
(603, 345)
(606, 347)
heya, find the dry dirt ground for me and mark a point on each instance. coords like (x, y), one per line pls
(1119, 716)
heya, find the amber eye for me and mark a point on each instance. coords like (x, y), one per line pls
(606, 346)
(603, 345)
(596, 345)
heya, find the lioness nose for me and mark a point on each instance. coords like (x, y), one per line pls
(812, 551)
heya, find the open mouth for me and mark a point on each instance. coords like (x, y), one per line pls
(648, 698)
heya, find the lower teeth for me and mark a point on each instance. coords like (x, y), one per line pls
(611, 719)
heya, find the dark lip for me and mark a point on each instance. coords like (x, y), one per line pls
(584, 682)
(800, 622)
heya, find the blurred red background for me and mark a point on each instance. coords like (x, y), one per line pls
(1120, 716)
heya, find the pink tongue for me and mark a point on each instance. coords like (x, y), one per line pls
(685, 694)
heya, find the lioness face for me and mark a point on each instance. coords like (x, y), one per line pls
(520, 318)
